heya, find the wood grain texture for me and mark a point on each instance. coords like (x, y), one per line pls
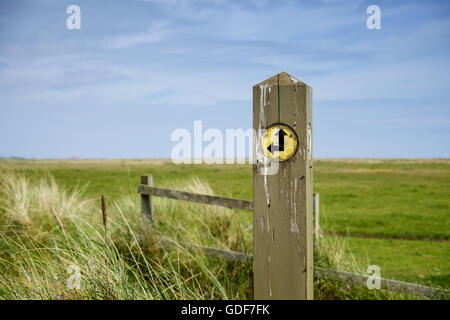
(146, 205)
(193, 197)
(283, 218)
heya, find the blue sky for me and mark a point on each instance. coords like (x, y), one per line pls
(137, 70)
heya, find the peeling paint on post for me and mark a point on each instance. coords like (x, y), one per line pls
(283, 198)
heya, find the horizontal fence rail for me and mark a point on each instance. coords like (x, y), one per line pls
(147, 190)
(387, 284)
(322, 273)
(214, 252)
(193, 197)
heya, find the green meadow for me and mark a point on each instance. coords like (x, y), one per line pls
(390, 213)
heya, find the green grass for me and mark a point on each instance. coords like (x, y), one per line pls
(388, 208)
(44, 230)
(117, 177)
(390, 199)
(417, 261)
(409, 202)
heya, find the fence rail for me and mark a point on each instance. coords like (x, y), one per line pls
(358, 279)
(322, 273)
(214, 252)
(387, 284)
(193, 197)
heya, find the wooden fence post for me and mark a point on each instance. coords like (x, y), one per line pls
(316, 217)
(282, 192)
(146, 205)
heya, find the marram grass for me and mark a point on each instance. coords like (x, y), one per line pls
(44, 231)
(48, 233)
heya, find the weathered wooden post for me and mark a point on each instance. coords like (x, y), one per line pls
(283, 189)
(146, 205)
(316, 217)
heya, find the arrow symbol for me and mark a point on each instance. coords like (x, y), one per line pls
(280, 147)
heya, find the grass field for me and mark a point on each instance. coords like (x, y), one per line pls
(392, 213)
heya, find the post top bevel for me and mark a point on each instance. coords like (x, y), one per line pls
(281, 79)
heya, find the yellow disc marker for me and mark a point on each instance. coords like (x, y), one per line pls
(279, 142)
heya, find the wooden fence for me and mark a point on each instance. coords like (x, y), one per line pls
(146, 191)
(283, 201)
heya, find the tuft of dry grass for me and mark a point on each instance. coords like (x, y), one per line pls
(58, 221)
(104, 214)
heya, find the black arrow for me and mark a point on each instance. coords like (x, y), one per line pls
(281, 135)
(280, 146)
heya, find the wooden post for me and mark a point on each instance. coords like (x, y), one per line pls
(316, 217)
(146, 205)
(283, 198)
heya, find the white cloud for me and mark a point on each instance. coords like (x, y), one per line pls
(156, 33)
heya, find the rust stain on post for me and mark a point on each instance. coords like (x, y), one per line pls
(283, 196)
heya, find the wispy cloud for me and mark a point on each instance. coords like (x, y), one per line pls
(199, 59)
(156, 33)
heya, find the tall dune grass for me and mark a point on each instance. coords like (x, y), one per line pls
(44, 230)
(47, 232)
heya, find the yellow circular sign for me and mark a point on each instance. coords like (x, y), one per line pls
(279, 142)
